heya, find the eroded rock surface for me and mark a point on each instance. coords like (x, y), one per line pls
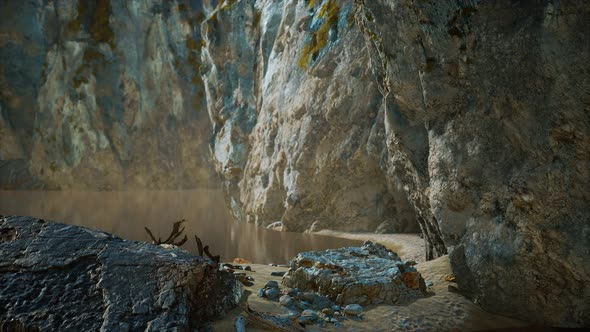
(488, 124)
(59, 277)
(485, 124)
(102, 95)
(356, 275)
(299, 137)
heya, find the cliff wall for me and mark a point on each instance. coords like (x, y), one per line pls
(102, 95)
(328, 114)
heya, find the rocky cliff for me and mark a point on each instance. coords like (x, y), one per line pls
(324, 111)
(299, 134)
(102, 95)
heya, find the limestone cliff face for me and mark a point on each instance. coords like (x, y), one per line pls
(299, 135)
(488, 122)
(102, 94)
(478, 109)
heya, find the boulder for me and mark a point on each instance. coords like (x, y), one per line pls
(356, 275)
(61, 277)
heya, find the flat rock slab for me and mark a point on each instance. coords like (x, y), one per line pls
(60, 277)
(364, 275)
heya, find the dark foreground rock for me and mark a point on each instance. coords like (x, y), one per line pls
(367, 275)
(60, 277)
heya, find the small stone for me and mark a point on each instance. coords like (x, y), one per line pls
(278, 273)
(239, 260)
(272, 293)
(308, 296)
(292, 292)
(336, 308)
(429, 283)
(286, 301)
(328, 311)
(302, 305)
(308, 316)
(272, 284)
(353, 309)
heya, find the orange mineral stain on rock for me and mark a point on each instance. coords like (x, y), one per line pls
(411, 279)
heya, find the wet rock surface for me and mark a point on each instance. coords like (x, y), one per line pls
(370, 274)
(59, 277)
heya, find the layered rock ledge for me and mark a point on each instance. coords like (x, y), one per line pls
(364, 275)
(60, 277)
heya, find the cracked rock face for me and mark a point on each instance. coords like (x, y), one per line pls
(364, 275)
(102, 96)
(59, 277)
(485, 124)
(488, 124)
(298, 133)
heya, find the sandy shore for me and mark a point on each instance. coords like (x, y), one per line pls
(407, 246)
(442, 311)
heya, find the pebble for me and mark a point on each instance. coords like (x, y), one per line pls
(308, 316)
(303, 305)
(308, 296)
(291, 291)
(429, 283)
(328, 311)
(278, 273)
(272, 284)
(286, 301)
(272, 293)
(353, 309)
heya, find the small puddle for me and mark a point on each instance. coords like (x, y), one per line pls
(126, 213)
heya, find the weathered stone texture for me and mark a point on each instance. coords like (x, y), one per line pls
(59, 277)
(298, 132)
(486, 126)
(364, 275)
(102, 95)
(488, 123)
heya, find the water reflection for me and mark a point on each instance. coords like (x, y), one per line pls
(125, 213)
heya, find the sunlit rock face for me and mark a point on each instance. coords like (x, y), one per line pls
(299, 132)
(485, 125)
(488, 123)
(102, 95)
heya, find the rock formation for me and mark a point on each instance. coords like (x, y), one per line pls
(102, 95)
(299, 136)
(488, 123)
(59, 277)
(479, 110)
(364, 275)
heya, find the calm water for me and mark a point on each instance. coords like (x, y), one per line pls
(125, 213)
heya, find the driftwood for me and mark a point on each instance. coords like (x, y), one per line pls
(267, 321)
(177, 230)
